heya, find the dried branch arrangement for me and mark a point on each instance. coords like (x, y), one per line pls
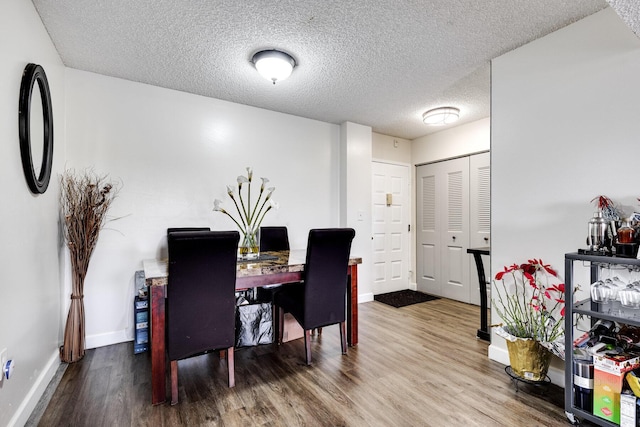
(85, 198)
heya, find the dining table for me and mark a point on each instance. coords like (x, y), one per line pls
(268, 269)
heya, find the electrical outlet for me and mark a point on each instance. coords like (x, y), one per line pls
(3, 362)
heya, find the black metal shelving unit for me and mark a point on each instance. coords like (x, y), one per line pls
(610, 311)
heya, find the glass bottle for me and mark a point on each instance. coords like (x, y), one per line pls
(628, 336)
(602, 328)
(625, 233)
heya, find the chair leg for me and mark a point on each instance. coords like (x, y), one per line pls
(231, 367)
(319, 331)
(280, 325)
(174, 382)
(307, 345)
(343, 336)
(275, 319)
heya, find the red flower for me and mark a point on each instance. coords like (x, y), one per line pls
(541, 300)
(550, 270)
(509, 269)
(528, 269)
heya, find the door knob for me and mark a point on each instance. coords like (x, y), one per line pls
(486, 239)
(454, 238)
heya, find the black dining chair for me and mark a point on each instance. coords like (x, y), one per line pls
(274, 239)
(182, 229)
(201, 297)
(320, 299)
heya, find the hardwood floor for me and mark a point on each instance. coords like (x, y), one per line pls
(415, 366)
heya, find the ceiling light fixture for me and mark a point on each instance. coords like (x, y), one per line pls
(274, 65)
(441, 116)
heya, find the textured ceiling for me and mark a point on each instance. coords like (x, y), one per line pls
(380, 63)
(629, 11)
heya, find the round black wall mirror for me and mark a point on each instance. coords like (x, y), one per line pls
(37, 177)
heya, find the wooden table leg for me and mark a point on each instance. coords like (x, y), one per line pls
(352, 306)
(158, 368)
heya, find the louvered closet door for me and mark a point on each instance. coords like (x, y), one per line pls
(442, 235)
(480, 214)
(454, 211)
(428, 252)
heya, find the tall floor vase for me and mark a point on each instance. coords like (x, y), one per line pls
(84, 200)
(73, 345)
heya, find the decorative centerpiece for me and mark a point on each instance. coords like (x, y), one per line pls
(607, 207)
(85, 199)
(249, 216)
(602, 237)
(530, 302)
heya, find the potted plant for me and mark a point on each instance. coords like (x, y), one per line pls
(530, 301)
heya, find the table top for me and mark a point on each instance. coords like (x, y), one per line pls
(481, 251)
(156, 270)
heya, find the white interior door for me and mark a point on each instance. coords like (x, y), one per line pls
(480, 214)
(390, 219)
(442, 229)
(455, 239)
(428, 220)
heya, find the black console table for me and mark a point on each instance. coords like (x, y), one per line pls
(483, 332)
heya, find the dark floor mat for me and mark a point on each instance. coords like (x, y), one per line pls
(403, 298)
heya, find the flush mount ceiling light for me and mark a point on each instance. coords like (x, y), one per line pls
(274, 65)
(441, 116)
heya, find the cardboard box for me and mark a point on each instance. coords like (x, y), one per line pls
(608, 377)
(627, 410)
(292, 329)
(616, 363)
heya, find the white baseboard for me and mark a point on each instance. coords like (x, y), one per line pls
(556, 373)
(37, 390)
(101, 340)
(365, 297)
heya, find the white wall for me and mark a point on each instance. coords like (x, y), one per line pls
(30, 294)
(459, 141)
(564, 129)
(175, 153)
(355, 206)
(390, 149)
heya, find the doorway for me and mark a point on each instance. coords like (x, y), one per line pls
(390, 224)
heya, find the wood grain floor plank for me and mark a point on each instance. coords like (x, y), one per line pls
(419, 365)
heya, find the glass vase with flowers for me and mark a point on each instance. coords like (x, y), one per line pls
(249, 216)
